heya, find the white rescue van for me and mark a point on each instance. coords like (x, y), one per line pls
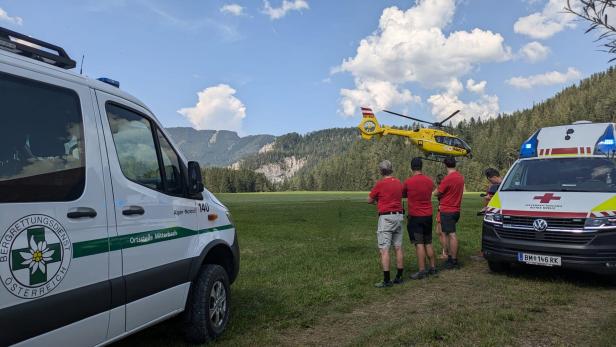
(557, 204)
(105, 228)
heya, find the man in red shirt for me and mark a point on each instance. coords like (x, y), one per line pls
(418, 189)
(387, 194)
(450, 198)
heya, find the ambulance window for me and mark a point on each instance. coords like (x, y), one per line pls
(135, 146)
(171, 165)
(41, 142)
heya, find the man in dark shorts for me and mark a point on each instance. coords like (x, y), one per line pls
(387, 194)
(449, 194)
(418, 189)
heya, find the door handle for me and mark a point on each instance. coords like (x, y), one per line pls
(133, 211)
(81, 212)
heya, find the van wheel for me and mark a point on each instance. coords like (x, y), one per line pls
(207, 310)
(498, 266)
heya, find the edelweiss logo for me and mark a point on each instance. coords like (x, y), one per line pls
(35, 253)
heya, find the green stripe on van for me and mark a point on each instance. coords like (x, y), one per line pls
(104, 245)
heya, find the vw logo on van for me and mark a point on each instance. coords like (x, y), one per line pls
(540, 224)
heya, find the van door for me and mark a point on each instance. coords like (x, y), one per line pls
(156, 223)
(53, 218)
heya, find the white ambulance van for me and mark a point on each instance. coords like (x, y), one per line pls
(557, 204)
(105, 228)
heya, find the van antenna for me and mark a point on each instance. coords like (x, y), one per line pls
(83, 56)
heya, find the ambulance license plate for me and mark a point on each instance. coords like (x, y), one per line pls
(538, 259)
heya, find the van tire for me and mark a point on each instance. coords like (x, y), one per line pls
(498, 266)
(210, 289)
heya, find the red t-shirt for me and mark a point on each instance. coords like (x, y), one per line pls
(451, 189)
(418, 190)
(388, 194)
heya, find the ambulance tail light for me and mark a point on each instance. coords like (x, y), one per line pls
(529, 148)
(607, 142)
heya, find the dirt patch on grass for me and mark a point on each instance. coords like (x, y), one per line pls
(471, 307)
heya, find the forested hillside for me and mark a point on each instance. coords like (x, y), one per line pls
(217, 148)
(337, 159)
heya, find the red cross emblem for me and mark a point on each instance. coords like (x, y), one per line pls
(546, 198)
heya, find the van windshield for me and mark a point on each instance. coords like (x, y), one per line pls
(563, 175)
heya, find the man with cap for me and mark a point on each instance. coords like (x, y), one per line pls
(449, 194)
(387, 194)
(418, 189)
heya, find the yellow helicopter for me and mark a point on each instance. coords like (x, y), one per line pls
(435, 143)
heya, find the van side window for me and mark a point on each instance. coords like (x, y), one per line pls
(135, 146)
(171, 164)
(42, 154)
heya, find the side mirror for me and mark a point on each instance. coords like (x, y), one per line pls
(195, 181)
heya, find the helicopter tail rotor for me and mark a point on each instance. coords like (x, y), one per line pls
(369, 125)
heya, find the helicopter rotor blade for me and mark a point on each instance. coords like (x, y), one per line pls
(440, 124)
(403, 116)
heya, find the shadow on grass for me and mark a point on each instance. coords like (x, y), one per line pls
(549, 274)
(248, 309)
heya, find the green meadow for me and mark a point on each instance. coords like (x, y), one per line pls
(309, 262)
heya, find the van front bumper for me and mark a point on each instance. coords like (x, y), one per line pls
(598, 255)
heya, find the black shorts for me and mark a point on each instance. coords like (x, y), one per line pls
(448, 221)
(420, 230)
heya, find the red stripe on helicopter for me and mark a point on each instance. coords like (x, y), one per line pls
(517, 213)
(571, 150)
(367, 112)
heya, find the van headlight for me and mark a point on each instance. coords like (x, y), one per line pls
(494, 218)
(601, 223)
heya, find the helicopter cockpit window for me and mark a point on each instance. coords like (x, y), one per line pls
(457, 143)
(449, 141)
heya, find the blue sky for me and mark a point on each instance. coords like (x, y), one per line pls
(301, 65)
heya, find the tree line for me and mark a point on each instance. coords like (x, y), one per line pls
(337, 159)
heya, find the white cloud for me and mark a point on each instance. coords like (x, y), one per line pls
(374, 93)
(534, 52)
(445, 104)
(546, 79)
(410, 46)
(217, 108)
(233, 9)
(4, 16)
(478, 88)
(286, 6)
(551, 20)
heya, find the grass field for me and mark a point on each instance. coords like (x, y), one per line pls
(309, 261)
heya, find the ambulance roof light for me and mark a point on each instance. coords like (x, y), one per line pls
(109, 81)
(607, 142)
(529, 147)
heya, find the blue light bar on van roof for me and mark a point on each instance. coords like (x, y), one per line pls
(607, 142)
(109, 81)
(529, 147)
